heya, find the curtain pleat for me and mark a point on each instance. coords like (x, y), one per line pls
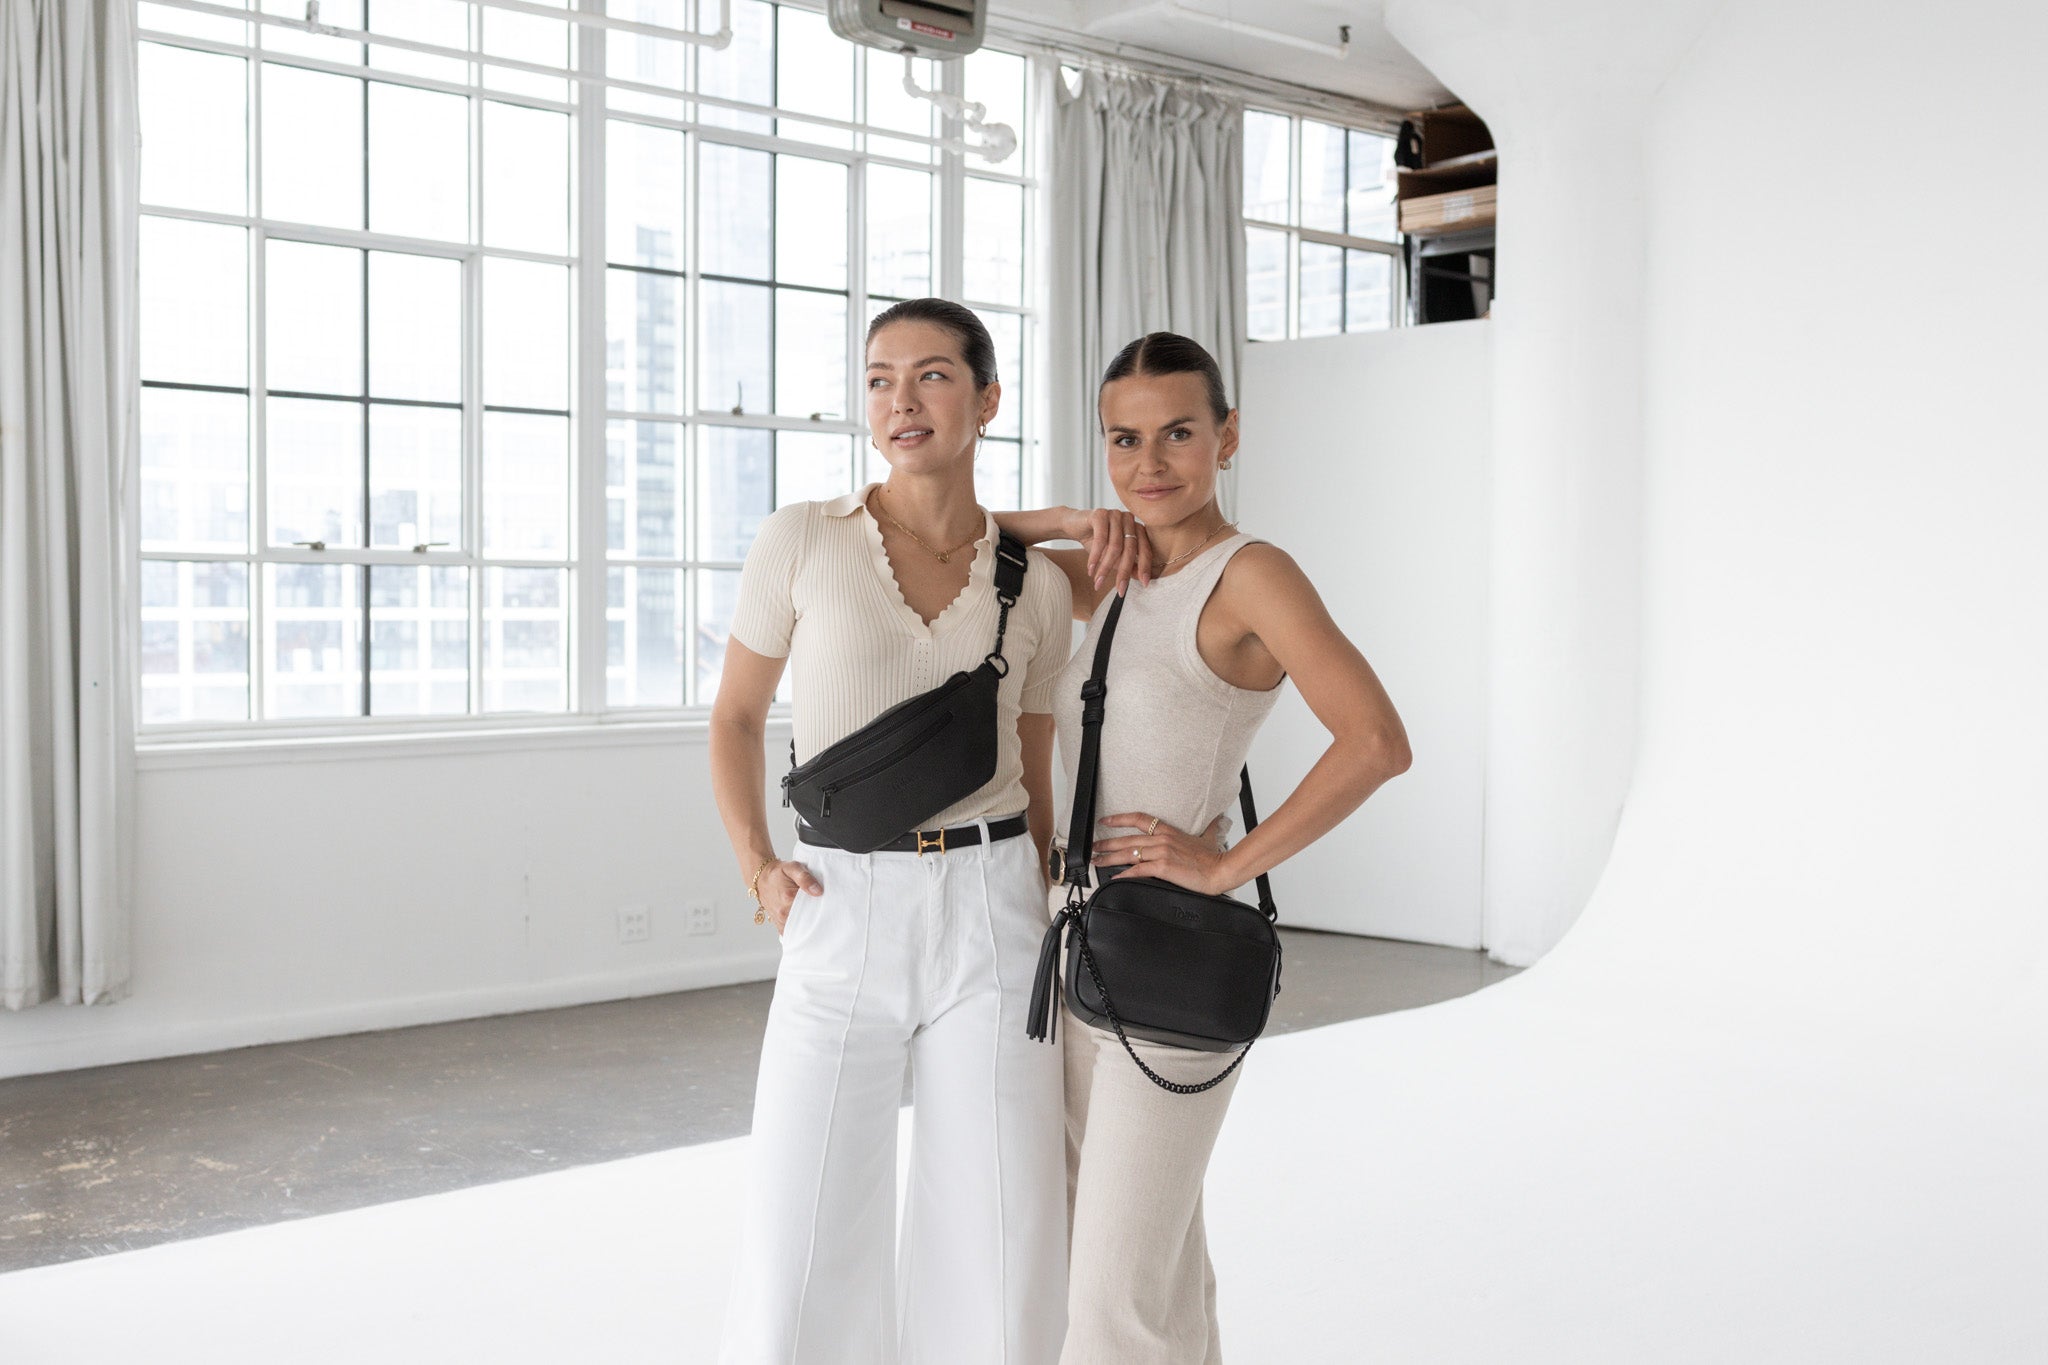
(68, 460)
(1147, 234)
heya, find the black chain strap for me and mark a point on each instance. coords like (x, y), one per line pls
(1109, 1008)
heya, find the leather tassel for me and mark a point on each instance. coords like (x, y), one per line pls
(1038, 1024)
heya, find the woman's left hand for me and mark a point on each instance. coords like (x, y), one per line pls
(1190, 860)
(1117, 548)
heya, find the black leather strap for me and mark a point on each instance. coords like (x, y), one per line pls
(1081, 821)
(1011, 561)
(929, 840)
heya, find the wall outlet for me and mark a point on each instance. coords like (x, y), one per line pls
(700, 917)
(635, 924)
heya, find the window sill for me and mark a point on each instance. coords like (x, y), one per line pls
(167, 751)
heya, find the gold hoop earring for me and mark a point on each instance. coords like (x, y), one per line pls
(984, 431)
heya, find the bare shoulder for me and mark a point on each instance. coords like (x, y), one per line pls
(1262, 569)
(1261, 585)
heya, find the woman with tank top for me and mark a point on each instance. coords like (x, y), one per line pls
(1203, 643)
(919, 954)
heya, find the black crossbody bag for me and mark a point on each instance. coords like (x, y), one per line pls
(919, 756)
(1146, 957)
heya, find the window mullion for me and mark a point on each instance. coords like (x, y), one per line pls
(473, 401)
(259, 423)
(951, 274)
(688, 450)
(853, 396)
(587, 581)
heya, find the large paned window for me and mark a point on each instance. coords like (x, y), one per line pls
(1322, 251)
(466, 383)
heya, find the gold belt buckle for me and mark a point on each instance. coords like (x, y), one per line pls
(923, 843)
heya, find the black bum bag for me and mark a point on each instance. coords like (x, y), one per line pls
(919, 756)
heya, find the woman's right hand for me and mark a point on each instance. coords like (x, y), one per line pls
(1117, 548)
(779, 886)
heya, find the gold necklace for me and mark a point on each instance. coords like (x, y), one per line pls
(1205, 540)
(942, 554)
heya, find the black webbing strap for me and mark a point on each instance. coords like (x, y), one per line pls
(1011, 561)
(1081, 819)
(1081, 822)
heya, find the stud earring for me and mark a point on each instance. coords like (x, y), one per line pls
(1224, 465)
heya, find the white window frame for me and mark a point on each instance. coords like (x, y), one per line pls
(588, 561)
(1397, 302)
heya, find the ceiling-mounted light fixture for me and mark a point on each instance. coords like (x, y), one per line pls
(929, 28)
(933, 28)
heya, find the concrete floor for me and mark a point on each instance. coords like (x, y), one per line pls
(123, 1157)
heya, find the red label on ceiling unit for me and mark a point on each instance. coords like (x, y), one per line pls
(930, 30)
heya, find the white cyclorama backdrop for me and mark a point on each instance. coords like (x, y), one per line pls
(1365, 458)
(1782, 1093)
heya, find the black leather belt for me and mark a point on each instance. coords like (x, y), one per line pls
(923, 841)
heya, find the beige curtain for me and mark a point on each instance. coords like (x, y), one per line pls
(68, 454)
(1145, 196)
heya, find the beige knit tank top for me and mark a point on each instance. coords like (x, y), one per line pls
(1173, 733)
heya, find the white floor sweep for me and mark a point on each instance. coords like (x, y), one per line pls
(1488, 1180)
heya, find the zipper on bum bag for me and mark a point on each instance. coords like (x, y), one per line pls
(875, 765)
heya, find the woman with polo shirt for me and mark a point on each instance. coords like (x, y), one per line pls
(918, 954)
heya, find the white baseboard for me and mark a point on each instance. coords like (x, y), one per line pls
(149, 1039)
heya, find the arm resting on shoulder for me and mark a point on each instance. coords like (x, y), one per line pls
(1111, 552)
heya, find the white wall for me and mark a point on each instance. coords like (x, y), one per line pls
(1563, 89)
(1782, 1093)
(1365, 458)
(409, 882)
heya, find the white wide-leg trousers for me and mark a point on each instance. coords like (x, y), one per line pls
(926, 961)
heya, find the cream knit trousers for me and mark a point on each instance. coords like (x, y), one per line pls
(1140, 1290)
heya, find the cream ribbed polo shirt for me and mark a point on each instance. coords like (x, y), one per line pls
(818, 588)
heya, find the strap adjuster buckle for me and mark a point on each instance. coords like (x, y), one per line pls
(923, 843)
(1021, 560)
(1057, 863)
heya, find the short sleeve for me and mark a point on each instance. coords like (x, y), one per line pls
(764, 615)
(1046, 586)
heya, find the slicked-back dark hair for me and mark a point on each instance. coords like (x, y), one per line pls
(1169, 353)
(976, 346)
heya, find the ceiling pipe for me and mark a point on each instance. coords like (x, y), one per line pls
(1339, 49)
(716, 41)
(998, 139)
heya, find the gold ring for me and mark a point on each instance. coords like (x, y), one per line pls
(1153, 828)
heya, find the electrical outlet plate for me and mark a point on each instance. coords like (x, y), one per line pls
(635, 924)
(700, 917)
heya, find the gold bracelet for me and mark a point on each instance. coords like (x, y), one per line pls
(754, 882)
